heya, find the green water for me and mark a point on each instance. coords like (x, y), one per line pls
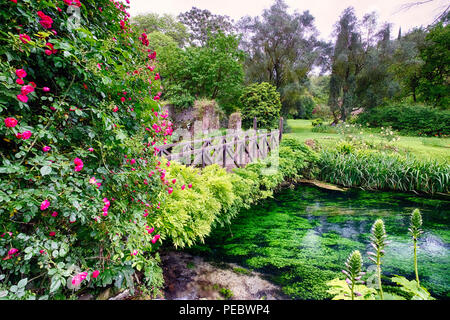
(301, 239)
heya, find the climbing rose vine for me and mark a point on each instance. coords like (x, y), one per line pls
(80, 122)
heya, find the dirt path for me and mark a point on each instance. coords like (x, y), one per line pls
(190, 277)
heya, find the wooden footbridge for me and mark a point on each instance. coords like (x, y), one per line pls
(235, 149)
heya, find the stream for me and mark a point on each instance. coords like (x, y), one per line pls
(302, 237)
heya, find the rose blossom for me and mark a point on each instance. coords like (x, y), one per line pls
(22, 98)
(24, 38)
(46, 21)
(27, 89)
(20, 73)
(45, 204)
(10, 122)
(46, 149)
(26, 135)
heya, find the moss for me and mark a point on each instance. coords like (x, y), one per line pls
(302, 237)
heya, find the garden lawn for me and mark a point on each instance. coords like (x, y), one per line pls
(421, 147)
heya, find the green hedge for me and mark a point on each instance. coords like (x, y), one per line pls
(409, 119)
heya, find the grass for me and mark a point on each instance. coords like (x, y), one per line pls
(421, 147)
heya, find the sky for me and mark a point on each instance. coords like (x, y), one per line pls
(326, 12)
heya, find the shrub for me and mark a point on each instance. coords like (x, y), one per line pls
(317, 122)
(409, 119)
(260, 100)
(216, 196)
(76, 201)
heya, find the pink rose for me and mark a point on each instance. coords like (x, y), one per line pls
(52, 234)
(22, 98)
(95, 274)
(26, 135)
(20, 81)
(54, 214)
(27, 89)
(24, 38)
(78, 164)
(46, 21)
(12, 251)
(20, 73)
(46, 149)
(155, 238)
(45, 204)
(10, 122)
(46, 89)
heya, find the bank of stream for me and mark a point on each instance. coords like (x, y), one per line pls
(301, 238)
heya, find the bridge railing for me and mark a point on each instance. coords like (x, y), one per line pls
(236, 149)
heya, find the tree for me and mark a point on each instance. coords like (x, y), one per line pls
(434, 83)
(376, 83)
(214, 71)
(282, 49)
(260, 100)
(406, 64)
(347, 62)
(165, 24)
(203, 24)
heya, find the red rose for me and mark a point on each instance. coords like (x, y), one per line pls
(10, 122)
(26, 135)
(21, 73)
(27, 89)
(46, 22)
(24, 38)
(22, 98)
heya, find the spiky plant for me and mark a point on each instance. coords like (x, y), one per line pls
(415, 231)
(353, 267)
(378, 242)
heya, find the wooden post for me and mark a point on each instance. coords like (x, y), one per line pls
(281, 129)
(224, 149)
(237, 157)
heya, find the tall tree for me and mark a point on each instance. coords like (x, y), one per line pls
(166, 24)
(406, 64)
(203, 24)
(282, 49)
(435, 81)
(347, 62)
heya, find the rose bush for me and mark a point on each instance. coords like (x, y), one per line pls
(78, 200)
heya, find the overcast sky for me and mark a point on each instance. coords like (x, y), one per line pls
(326, 12)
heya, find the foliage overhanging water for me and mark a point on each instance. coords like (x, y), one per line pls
(302, 237)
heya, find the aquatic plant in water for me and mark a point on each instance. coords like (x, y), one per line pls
(415, 231)
(378, 242)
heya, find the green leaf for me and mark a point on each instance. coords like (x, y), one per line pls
(55, 284)
(45, 170)
(22, 283)
(419, 293)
